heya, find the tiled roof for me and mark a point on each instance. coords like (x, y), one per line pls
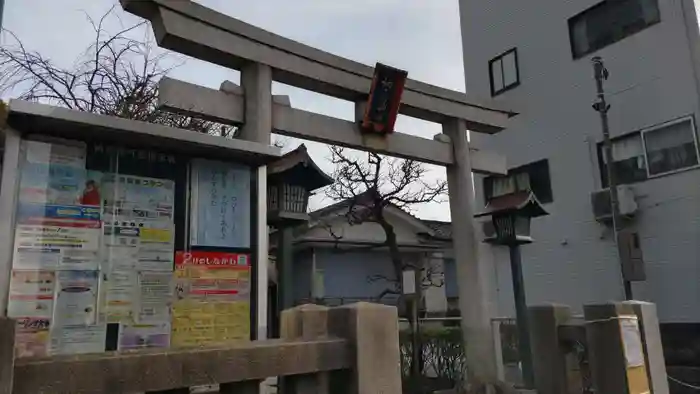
(442, 229)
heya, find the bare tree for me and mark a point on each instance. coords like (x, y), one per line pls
(370, 185)
(116, 75)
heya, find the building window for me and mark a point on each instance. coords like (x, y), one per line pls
(658, 150)
(609, 22)
(533, 177)
(629, 163)
(671, 147)
(504, 72)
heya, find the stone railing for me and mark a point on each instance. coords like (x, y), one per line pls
(349, 349)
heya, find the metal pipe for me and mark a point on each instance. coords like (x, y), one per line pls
(600, 73)
(521, 316)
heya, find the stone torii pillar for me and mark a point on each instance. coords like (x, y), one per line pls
(194, 30)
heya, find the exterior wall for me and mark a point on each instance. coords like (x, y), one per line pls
(365, 232)
(345, 277)
(303, 265)
(451, 290)
(345, 274)
(653, 80)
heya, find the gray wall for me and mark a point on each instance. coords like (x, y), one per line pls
(653, 79)
(345, 274)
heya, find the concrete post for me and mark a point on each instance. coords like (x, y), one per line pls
(306, 322)
(653, 349)
(471, 271)
(256, 81)
(549, 361)
(615, 350)
(373, 333)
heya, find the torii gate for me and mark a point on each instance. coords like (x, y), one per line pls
(200, 32)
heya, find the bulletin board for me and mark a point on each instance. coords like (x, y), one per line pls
(95, 266)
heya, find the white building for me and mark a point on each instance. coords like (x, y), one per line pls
(534, 57)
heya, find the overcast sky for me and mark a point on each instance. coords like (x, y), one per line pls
(420, 36)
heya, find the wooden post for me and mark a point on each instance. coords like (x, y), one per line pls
(549, 361)
(7, 354)
(373, 333)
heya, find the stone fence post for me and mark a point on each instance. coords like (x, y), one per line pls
(549, 359)
(372, 332)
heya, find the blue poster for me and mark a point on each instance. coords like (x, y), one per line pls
(220, 204)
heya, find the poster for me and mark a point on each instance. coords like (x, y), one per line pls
(52, 184)
(76, 298)
(212, 302)
(70, 153)
(32, 337)
(57, 236)
(143, 245)
(206, 276)
(129, 197)
(155, 296)
(120, 296)
(136, 336)
(78, 339)
(221, 205)
(632, 341)
(31, 294)
(197, 323)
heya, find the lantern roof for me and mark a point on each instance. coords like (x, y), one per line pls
(298, 168)
(523, 202)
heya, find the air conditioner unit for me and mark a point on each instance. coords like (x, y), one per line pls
(602, 209)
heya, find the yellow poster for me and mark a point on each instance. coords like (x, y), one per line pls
(212, 299)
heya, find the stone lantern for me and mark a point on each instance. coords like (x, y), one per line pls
(291, 180)
(510, 226)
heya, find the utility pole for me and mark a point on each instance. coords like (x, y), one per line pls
(602, 107)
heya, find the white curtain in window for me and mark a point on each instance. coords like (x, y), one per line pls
(522, 181)
(503, 186)
(627, 148)
(670, 136)
(497, 75)
(510, 69)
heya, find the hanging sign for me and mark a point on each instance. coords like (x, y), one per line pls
(384, 99)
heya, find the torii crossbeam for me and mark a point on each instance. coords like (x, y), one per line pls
(192, 29)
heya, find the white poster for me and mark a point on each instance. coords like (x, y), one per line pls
(137, 336)
(78, 339)
(220, 214)
(120, 296)
(57, 236)
(632, 341)
(76, 298)
(31, 294)
(130, 197)
(155, 296)
(70, 154)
